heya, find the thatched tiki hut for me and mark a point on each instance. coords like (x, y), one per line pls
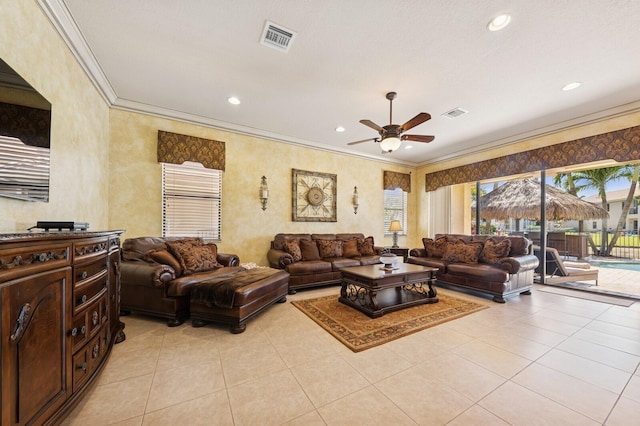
(520, 199)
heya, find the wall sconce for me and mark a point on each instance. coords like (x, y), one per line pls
(264, 193)
(395, 227)
(355, 200)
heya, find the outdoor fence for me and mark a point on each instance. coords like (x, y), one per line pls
(588, 244)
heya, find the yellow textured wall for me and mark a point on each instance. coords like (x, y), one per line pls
(80, 123)
(247, 229)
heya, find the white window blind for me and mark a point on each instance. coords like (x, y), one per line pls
(24, 170)
(191, 201)
(395, 208)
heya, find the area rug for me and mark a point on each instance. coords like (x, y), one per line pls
(358, 332)
(589, 295)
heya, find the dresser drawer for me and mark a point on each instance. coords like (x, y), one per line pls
(88, 271)
(89, 248)
(80, 369)
(88, 291)
(87, 323)
(88, 359)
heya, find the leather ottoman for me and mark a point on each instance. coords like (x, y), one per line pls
(237, 298)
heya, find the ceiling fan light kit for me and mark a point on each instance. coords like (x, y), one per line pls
(390, 144)
(391, 135)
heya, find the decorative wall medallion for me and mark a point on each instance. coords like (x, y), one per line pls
(314, 196)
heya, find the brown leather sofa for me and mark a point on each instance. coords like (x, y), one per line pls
(153, 282)
(314, 260)
(494, 265)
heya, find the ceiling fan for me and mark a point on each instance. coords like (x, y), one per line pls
(391, 135)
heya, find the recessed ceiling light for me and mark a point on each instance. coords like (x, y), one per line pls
(233, 100)
(572, 86)
(499, 22)
(340, 129)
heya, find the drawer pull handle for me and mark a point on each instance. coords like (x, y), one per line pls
(83, 329)
(21, 322)
(83, 367)
(84, 275)
(42, 257)
(74, 332)
(83, 298)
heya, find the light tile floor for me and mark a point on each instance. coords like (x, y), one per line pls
(539, 359)
(614, 282)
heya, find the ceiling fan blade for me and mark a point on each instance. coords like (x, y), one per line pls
(418, 138)
(363, 140)
(371, 124)
(418, 119)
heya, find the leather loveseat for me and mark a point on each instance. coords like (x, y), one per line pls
(314, 260)
(495, 265)
(157, 274)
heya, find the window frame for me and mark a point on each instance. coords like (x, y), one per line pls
(185, 187)
(394, 213)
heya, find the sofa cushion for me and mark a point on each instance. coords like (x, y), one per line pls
(519, 245)
(495, 250)
(293, 248)
(343, 262)
(461, 252)
(369, 260)
(433, 262)
(365, 246)
(307, 267)
(309, 250)
(435, 248)
(136, 248)
(194, 258)
(350, 248)
(329, 248)
(164, 257)
(478, 272)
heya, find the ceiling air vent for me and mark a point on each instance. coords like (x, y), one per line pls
(277, 36)
(456, 112)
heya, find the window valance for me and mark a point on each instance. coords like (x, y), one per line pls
(620, 145)
(31, 125)
(176, 149)
(393, 180)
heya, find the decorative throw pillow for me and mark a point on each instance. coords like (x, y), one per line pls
(194, 258)
(366, 247)
(495, 250)
(461, 252)
(350, 248)
(293, 248)
(329, 248)
(435, 248)
(309, 250)
(166, 258)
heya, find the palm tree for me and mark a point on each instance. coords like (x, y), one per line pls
(566, 182)
(598, 179)
(631, 174)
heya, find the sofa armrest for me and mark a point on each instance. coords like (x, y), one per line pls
(146, 274)
(279, 258)
(228, 259)
(418, 252)
(516, 264)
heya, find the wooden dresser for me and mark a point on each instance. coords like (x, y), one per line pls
(60, 296)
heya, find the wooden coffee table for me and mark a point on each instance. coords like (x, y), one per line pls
(375, 291)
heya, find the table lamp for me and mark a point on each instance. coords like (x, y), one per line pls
(395, 227)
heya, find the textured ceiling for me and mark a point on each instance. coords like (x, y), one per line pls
(184, 59)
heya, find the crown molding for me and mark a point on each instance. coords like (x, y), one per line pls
(66, 27)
